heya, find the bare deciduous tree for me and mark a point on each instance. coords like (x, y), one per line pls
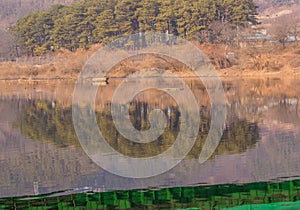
(7, 45)
(285, 28)
(294, 31)
(222, 33)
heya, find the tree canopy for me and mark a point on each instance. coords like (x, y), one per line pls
(88, 22)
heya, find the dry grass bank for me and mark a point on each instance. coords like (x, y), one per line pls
(62, 65)
(250, 61)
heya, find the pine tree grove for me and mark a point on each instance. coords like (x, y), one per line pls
(89, 22)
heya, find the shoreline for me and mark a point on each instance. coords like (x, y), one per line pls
(222, 75)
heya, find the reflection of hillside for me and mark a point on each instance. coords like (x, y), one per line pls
(285, 113)
(245, 92)
(47, 122)
(23, 161)
(54, 158)
(44, 122)
(271, 98)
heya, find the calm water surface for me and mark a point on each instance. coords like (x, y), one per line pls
(40, 153)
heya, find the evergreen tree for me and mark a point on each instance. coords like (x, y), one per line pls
(166, 19)
(183, 14)
(106, 27)
(125, 14)
(71, 30)
(29, 32)
(147, 13)
(97, 21)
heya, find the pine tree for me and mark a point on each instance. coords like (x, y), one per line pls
(183, 14)
(125, 14)
(97, 21)
(147, 12)
(71, 29)
(166, 19)
(106, 28)
(29, 32)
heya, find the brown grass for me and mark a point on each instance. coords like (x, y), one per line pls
(246, 61)
(65, 65)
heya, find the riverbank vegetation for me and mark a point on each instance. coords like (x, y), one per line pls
(251, 61)
(55, 43)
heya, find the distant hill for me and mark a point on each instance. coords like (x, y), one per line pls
(285, 2)
(266, 4)
(12, 10)
(272, 10)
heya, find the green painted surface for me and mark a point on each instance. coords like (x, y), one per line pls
(265, 196)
